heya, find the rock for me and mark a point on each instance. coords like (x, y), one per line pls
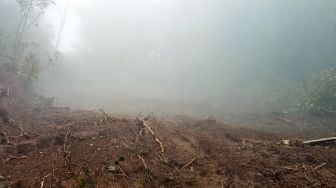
(26, 147)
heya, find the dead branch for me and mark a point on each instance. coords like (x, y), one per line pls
(143, 161)
(140, 134)
(188, 164)
(320, 141)
(3, 138)
(101, 174)
(66, 149)
(42, 182)
(23, 133)
(124, 175)
(210, 118)
(327, 110)
(285, 120)
(106, 116)
(16, 157)
(319, 166)
(147, 126)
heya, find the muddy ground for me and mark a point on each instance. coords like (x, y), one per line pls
(59, 147)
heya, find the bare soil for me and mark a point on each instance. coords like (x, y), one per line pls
(59, 147)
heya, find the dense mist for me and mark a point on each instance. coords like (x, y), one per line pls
(194, 57)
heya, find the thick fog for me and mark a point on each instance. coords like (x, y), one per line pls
(189, 57)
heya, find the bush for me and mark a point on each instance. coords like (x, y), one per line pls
(320, 94)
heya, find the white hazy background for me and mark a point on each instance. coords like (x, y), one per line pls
(184, 56)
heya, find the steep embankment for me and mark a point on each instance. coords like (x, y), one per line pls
(58, 147)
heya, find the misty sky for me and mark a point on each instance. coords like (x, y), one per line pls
(187, 49)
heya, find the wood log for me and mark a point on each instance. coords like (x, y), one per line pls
(320, 141)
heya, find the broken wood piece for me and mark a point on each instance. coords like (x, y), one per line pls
(43, 180)
(146, 125)
(319, 166)
(188, 164)
(320, 141)
(143, 161)
(16, 157)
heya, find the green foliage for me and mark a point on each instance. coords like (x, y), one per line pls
(30, 68)
(41, 103)
(320, 94)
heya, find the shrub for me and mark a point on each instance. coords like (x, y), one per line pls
(320, 94)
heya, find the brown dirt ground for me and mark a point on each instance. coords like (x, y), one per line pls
(65, 148)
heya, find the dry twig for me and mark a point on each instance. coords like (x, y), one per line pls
(143, 161)
(319, 166)
(16, 157)
(66, 148)
(188, 164)
(147, 126)
(320, 141)
(42, 182)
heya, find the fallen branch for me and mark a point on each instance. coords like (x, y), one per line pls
(23, 133)
(140, 134)
(327, 110)
(147, 126)
(143, 161)
(188, 164)
(42, 182)
(106, 116)
(66, 149)
(101, 174)
(319, 166)
(19, 127)
(285, 120)
(320, 141)
(16, 157)
(3, 138)
(124, 175)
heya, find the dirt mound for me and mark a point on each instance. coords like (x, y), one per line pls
(63, 148)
